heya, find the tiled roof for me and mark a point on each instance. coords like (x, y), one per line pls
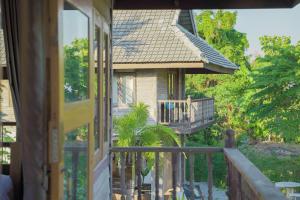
(2, 50)
(160, 36)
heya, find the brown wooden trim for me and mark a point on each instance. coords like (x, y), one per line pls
(191, 66)
(205, 4)
(218, 69)
(157, 65)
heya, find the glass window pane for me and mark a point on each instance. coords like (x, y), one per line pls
(76, 163)
(76, 54)
(97, 88)
(125, 87)
(105, 91)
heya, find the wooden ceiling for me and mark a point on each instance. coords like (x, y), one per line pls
(203, 4)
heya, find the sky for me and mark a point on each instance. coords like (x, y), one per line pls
(259, 22)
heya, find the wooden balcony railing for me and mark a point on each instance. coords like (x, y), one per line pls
(7, 139)
(188, 115)
(244, 180)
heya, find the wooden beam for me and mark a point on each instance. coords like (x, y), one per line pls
(156, 65)
(204, 4)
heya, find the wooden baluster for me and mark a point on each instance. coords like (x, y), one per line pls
(123, 183)
(174, 175)
(165, 112)
(210, 176)
(75, 160)
(202, 112)
(174, 111)
(184, 111)
(159, 112)
(169, 104)
(139, 178)
(156, 176)
(191, 168)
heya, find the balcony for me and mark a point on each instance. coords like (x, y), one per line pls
(244, 180)
(186, 116)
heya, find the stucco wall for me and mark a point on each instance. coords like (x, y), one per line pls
(146, 83)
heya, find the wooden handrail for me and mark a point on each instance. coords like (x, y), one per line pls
(260, 185)
(168, 149)
(175, 153)
(187, 115)
(203, 99)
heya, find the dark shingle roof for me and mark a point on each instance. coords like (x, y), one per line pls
(160, 36)
(185, 19)
(2, 49)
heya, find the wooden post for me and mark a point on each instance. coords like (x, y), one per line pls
(231, 182)
(189, 109)
(174, 175)
(210, 176)
(157, 176)
(123, 183)
(139, 178)
(191, 168)
(229, 139)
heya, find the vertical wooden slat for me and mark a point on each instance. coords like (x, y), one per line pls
(180, 112)
(165, 112)
(75, 159)
(202, 112)
(210, 175)
(123, 183)
(184, 111)
(169, 104)
(191, 168)
(139, 178)
(156, 176)
(182, 136)
(174, 175)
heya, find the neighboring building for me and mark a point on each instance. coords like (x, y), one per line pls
(153, 50)
(6, 103)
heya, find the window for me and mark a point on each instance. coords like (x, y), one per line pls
(124, 89)
(171, 85)
(76, 53)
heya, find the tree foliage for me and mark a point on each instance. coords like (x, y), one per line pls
(272, 100)
(261, 99)
(218, 29)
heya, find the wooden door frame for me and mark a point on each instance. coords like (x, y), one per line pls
(65, 117)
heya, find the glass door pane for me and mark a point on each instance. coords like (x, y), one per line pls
(76, 53)
(76, 164)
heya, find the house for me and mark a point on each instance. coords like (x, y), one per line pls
(153, 50)
(63, 142)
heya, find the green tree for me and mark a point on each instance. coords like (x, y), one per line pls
(218, 29)
(272, 101)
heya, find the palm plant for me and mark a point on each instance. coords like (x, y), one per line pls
(133, 130)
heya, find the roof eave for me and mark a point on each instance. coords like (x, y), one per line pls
(169, 65)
